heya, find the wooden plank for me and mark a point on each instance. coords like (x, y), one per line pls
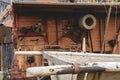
(54, 59)
(73, 57)
(28, 53)
(60, 69)
(71, 69)
(38, 60)
(79, 57)
(58, 3)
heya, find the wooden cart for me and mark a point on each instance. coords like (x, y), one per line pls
(77, 66)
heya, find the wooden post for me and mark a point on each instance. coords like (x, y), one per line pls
(106, 28)
(84, 45)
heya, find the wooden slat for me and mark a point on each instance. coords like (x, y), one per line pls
(28, 53)
(70, 4)
(78, 57)
(69, 69)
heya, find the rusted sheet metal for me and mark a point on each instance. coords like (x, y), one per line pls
(60, 69)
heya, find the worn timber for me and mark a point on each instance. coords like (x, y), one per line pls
(79, 63)
(72, 57)
(97, 7)
(79, 57)
(60, 69)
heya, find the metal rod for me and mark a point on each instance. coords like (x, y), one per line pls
(91, 44)
(106, 28)
(84, 45)
(57, 32)
(100, 33)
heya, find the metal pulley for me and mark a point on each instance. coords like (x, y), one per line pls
(87, 22)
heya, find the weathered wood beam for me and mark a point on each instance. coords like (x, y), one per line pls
(66, 3)
(65, 53)
(60, 69)
(64, 58)
(106, 28)
(73, 69)
(80, 54)
(28, 52)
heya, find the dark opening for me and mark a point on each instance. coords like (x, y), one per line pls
(89, 21)
(72, 0)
